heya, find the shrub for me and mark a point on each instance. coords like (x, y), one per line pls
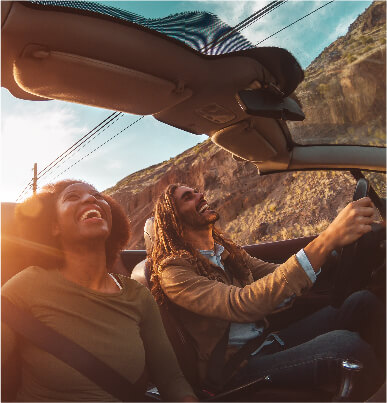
(366, 39)
(322, 88)
(272, 207)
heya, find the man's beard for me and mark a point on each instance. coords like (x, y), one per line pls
(199, 221)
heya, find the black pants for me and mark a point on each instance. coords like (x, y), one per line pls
(316, 345)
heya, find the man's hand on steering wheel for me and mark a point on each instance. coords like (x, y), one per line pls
(351, 223)
(345, 233)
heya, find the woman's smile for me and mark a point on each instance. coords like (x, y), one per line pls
(82, 212)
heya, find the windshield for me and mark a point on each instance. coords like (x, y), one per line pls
(126, 145)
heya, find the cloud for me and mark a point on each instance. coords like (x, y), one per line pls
(306, 38)
(34, 132)
(291, 39)
(233, 12)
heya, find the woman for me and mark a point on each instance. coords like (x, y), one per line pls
(77, 233)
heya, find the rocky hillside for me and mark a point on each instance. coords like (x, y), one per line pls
(344, 92)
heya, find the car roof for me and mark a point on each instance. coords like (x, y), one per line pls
(125, 65)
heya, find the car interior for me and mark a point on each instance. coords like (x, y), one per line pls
(240, 99)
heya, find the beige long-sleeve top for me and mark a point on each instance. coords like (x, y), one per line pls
(206, 307)
(123, 329)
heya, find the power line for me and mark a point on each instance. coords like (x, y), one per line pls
(95, 131)
(244, 24)
(95, 149)
(259, 14)
(28, 186)
(85, 156)
(287, 26)
(80, 146)
(71, 149)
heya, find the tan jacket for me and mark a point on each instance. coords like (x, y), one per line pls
(206, 307)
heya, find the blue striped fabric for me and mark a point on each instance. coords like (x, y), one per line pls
(202, 31)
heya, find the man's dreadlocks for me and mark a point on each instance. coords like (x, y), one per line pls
(170, 243)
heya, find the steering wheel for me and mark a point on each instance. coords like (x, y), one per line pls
(349, 276)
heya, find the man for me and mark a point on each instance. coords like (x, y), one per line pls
(219, 290)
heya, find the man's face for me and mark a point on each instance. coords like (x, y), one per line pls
(193, 209)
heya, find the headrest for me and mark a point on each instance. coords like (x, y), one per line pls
(149, 234)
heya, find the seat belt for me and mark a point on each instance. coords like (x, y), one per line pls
(241, 355)
(219, 372)
(47, 339)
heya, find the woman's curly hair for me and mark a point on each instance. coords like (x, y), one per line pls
(170, 243)
(36, 215)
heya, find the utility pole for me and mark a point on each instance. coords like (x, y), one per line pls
(35, 179)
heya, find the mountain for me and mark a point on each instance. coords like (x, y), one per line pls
(343, 97)
(344, 92)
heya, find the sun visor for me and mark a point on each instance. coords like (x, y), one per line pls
(244, 142)
(73, 78)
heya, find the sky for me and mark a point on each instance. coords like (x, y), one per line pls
(40, 131)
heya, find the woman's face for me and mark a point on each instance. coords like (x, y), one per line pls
(82, 214)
